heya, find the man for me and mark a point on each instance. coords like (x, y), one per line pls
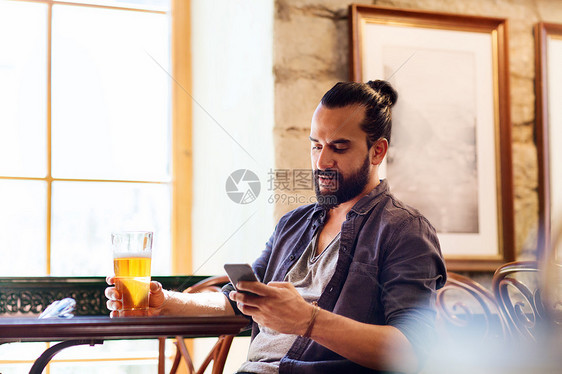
(348, 283)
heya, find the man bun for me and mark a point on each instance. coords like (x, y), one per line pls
(376, 97)
(385, 90)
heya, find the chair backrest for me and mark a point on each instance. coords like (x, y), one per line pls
(517, 289)
(468, 312)
(219, 352)
(211, 284)
(487, 328)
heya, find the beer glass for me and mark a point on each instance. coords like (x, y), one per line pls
(132, 253)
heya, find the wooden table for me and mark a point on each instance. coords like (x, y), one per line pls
(94, 330)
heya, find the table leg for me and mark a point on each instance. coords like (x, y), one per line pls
(44, 359)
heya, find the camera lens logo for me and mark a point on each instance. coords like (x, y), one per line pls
(243, 186)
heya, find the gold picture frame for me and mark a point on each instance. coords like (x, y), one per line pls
(450, 154)
(548, 86)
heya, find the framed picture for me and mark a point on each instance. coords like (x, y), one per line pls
(548, 86)
(450, 149)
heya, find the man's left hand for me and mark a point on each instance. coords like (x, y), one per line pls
(277, 305)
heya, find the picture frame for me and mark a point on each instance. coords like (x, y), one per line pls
(450, 152)
(548, 86)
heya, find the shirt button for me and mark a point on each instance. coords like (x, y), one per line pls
(291, 257)
(343, 248)
(331, 289)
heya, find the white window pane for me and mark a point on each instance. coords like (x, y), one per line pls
(23, 88)
(21, 351)
(110, 98)
(117, 349)
(85, 214)
(100, 367)
(16, 368)
(159, 5)
(114, 349)
(22, 228)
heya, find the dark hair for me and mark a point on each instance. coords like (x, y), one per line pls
(376, 96)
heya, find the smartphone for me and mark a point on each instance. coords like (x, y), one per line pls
(240, 272)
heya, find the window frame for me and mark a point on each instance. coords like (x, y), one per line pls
(181, 133)
(181, 141)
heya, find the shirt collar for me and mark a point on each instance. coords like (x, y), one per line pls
(318, 213)
(367, 202)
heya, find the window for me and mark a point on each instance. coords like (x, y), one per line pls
(94, 137)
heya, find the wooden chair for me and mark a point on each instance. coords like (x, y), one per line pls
(218, 353)
(517, 287)
(476, 327)
(467, 312)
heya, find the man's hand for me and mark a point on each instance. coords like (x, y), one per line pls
(278, 306)
(156, 299)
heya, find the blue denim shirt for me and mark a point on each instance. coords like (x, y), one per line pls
(388, 269)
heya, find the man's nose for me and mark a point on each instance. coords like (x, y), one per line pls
(325, 159)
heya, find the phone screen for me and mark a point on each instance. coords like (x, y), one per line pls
(240, 272)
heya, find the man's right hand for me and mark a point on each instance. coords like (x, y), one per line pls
(156, 300)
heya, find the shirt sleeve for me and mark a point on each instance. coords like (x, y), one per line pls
(413, 270)
(259, 266)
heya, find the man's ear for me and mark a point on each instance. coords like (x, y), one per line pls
(378, 151)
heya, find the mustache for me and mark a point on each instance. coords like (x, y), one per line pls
(329, 173)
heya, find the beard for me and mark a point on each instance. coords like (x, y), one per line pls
(344, 189)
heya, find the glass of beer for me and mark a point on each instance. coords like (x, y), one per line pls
(132, 253)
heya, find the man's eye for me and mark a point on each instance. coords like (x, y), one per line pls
(340, 150)
(316, 147)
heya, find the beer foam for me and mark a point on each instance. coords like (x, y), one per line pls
(144, 254)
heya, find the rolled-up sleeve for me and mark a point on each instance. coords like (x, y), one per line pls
(413, 270)
(259, 266)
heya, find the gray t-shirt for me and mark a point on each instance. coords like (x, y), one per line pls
(309, 275)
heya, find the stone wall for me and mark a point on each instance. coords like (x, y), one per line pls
(311, 53)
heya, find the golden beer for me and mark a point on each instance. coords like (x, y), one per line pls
(132, 279)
